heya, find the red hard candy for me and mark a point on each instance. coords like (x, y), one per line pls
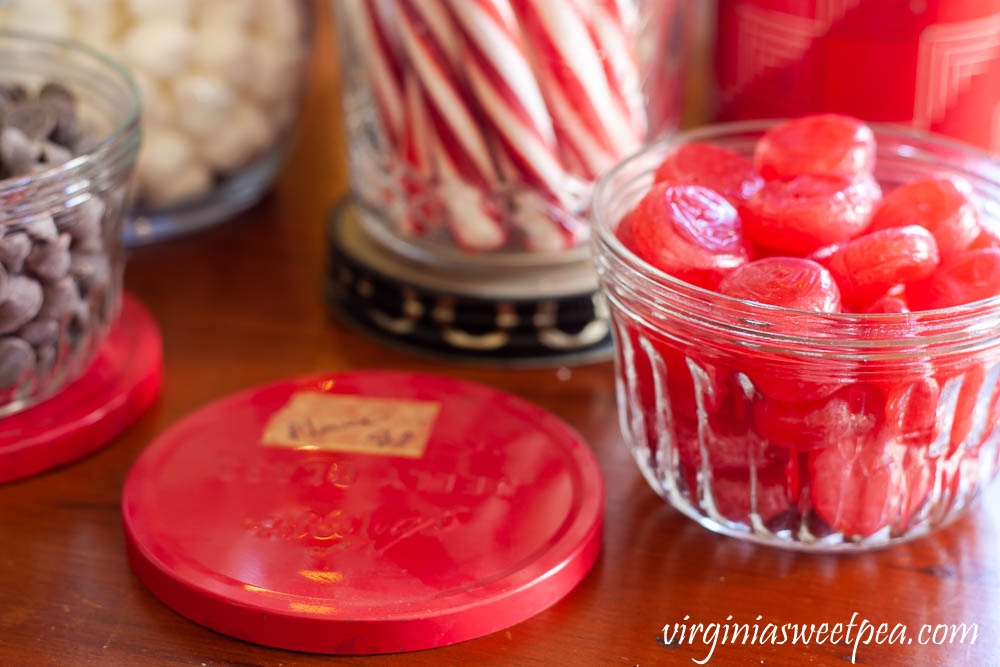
(851, 412)
(971, 276)
(690, 232)
(823, 144)
(893, 301)
(808, 212)
(870, 265)
(788, 282)
(989, 237)
(911, 412)
(941, 206)
(727, 173)
(855, 484)
(734, 493)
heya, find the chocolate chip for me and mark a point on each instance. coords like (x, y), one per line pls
(67, 127)
(84, 143)
(63, 103)
(46, 355)
(14, 249)
(17, 152)
(17, 360)
(40, 331)
(12, 92)
(62, 300)
(41, 228)
(50, 260)
(22, 300)
(56, 92)
(83, 223)
(53, 154)
(55, 272)
(92, 270)
(34, 118)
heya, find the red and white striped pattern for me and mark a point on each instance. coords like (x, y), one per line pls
(494, 135)
(383, 66)
(452, 113)
(546, 226)
(504, 86)
(419, 174)
(592, 127)
(416, 140)
(473, 217)
(460, 150)
(611, 24)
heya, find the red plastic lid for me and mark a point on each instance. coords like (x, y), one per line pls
(368, 512)
(119, 386)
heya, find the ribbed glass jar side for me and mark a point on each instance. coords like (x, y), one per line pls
(808, 431)
(61, 227)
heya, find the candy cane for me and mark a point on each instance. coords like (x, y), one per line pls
(503, 84)
(420, 210)
(546, 226)
(595, 129)
(435, 17)
(474, 218)
(416, 144)
(451, 112)
(460, 151)
(383, 68)
(611, 23)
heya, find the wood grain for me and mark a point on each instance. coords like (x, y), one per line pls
(241, 305)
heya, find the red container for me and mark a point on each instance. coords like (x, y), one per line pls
(932, 63)
(364, 512)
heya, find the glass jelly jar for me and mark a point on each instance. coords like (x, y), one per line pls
(221, 83)
(477, 129)
(61, 255)
(887, 425)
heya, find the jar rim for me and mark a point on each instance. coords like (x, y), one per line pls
(602, 232)
(105, 148)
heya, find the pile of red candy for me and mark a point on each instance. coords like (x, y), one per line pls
(805, 226)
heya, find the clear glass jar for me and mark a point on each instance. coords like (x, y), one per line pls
(61, 257)
(817, 432)
(476, 130)
(221, 83)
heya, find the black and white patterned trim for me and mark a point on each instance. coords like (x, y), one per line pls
(548, 329)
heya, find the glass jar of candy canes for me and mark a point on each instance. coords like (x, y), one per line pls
(220, 83)
(478, 127)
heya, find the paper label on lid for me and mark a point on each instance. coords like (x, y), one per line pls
(359, 424)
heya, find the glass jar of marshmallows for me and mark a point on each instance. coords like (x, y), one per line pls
(220, 81)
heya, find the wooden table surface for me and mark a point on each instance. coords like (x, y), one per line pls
(240, 305)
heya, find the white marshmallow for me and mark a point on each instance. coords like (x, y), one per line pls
(235, 13)
(282, 111)
(162, 47)
(175, 9)
(226, 51)
(202, 102)
(244, 135)
(49, 17)
(164, 154)
(278, 20)
(157, 105)
(94, 5)
(98, 27)
(274, 70)
(193, 180)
